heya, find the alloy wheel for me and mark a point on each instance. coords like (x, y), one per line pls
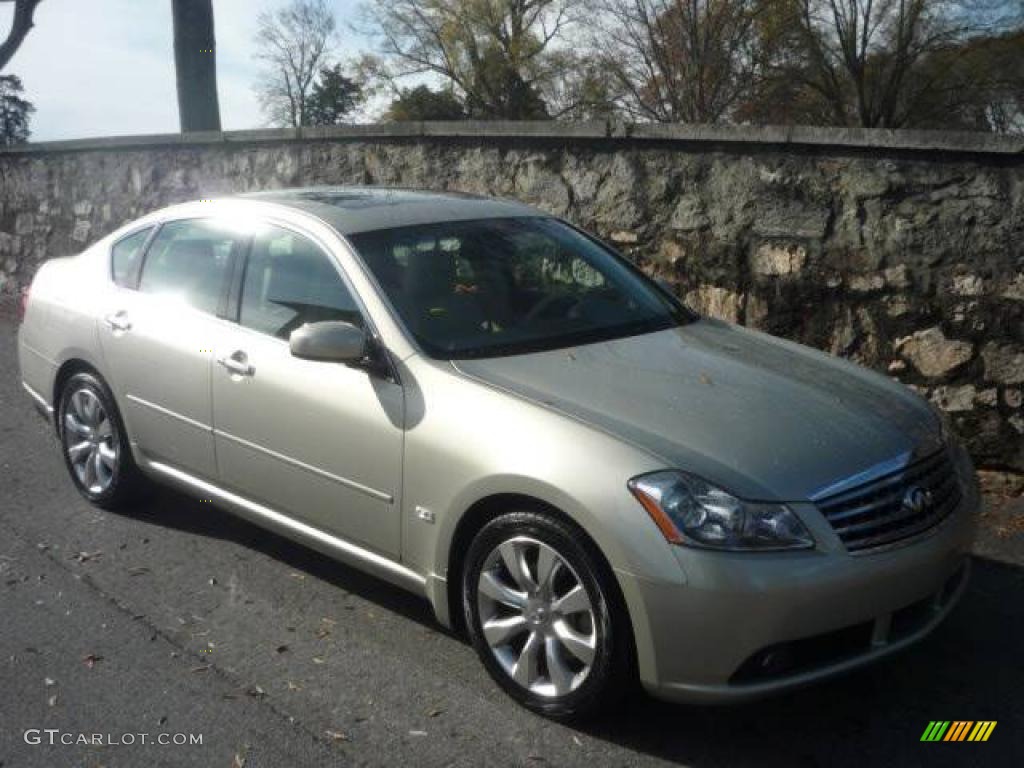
(90, 441)
(537, 617)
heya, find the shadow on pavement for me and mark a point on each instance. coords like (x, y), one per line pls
(170, 509)
(970, 668)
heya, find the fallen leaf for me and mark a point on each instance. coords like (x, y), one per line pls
(336, 736)
(322, 633)
(85, 557)
(705, 379)
(256, 692)
(91, 660)
(435, 712)
(239, 761)
(318, 660)
(325, 620)
(294, 686)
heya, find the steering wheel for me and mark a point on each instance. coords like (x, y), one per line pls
(544, 307)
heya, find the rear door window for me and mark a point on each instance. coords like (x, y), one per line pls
(125, 256)
(190, 261)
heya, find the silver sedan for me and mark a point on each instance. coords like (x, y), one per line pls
(487, 406)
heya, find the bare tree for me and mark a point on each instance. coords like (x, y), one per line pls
(294, 43)
(22, 23)
(875, 63)
(680, 60)
(195, 62)
(495, 54)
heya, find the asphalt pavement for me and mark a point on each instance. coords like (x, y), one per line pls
(179, 621)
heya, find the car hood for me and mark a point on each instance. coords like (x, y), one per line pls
(765, 418)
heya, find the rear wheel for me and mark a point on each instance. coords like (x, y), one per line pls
(543, 617)
(94, 443)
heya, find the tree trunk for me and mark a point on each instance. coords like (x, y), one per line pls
(195, 61)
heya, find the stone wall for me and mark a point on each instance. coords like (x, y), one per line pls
(903, 251)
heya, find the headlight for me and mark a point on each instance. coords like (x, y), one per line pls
(689, 510)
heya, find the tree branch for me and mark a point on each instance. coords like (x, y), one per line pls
(23, 12)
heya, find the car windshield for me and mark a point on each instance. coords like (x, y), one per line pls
(492, 287)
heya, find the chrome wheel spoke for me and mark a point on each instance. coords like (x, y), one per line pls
(514, 557)
(547, 566)
(573, 601)
(79, 404)
(559, 673)
(75, 425)
(90, 469)
(500, 631)
(527, 666)
(108, 456)
(491, 586)
(99, 469)
(579, 645)
(77, 452)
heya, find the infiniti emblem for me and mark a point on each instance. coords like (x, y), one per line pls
(917, 500)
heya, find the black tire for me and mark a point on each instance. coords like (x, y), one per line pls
(125, 482)
(610, 674)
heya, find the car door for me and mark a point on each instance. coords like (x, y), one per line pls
(319, 441)
(157, 336)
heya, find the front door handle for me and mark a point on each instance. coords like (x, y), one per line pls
(237, 363)
(118, 321)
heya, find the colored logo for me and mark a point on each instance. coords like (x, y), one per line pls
(958, 730)
(917, 500)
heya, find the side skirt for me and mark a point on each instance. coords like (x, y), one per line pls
(332, 546)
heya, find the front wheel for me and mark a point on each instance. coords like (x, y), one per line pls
(543, 616)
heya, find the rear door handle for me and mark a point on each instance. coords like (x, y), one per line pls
(118, 321)
(237, 363)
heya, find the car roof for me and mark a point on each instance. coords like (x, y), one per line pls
(351, 210)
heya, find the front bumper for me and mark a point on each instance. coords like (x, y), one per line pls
(747, 625)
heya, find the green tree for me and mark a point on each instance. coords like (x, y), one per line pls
(332, 98)
(497, 56)
(14, 111)
(421, 103)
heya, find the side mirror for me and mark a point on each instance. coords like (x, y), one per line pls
(333, 340)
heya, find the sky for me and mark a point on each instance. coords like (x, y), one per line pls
(106, 67)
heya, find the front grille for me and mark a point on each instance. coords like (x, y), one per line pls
(875, 515)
